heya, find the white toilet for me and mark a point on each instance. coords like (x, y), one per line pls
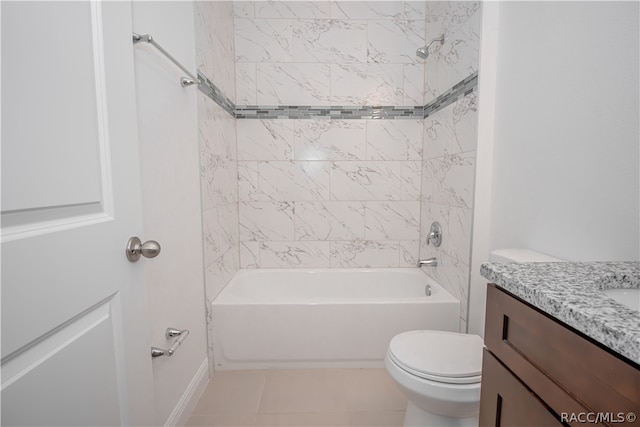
(440, 372)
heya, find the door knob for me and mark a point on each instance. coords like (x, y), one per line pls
(135, 248)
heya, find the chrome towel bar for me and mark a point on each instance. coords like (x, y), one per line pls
(170, 333)
(137, 38)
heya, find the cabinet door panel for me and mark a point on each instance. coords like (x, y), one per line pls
(505, 401)
(528, 341)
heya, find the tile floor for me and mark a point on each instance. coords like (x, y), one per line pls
(304, 397)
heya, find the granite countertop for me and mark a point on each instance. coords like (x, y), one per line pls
(570, 292)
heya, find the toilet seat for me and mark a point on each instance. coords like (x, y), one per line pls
(445, 357)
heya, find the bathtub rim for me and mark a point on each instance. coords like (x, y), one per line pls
(227, 297)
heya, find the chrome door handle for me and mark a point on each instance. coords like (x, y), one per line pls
(135, 248)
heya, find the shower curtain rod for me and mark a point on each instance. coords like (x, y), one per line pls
(137, 38)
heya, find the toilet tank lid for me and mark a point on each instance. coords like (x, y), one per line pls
(439, 353)
(520, 255)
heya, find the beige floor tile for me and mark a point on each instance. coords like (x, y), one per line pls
(373, 390)
(304, 391)
(232, 392)
(304, 420)
(377, 419)
(221, 421)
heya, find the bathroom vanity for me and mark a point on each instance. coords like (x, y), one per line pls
(558, 350)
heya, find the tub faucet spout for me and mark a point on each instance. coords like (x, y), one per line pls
(431, 262)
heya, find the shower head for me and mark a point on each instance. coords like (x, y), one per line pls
(423, 52)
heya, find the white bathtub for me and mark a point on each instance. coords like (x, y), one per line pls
(341, 318)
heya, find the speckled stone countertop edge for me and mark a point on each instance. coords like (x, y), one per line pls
(570, 292)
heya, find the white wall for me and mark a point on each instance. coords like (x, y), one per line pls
(566, 147)
(167, 120)
(565, 175)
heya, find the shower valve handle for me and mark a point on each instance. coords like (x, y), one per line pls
(435, 234)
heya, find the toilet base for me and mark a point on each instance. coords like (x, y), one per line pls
(416, 417)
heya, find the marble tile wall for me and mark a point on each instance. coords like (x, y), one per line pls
(218, 152)
(448, 171)
(329, 193)
(329, 52)
(215, 52)
(449, 150)
(458, 57)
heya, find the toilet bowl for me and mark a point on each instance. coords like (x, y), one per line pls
(440, 373)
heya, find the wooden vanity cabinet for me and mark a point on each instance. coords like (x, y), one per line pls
(538, 371)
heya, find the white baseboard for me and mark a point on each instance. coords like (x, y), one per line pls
(190, 397)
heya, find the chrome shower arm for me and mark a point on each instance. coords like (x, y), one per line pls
(423, 52)
(439, 39)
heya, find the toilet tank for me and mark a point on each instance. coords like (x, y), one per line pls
(520, 255)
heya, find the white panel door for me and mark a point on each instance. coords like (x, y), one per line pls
(75, 339)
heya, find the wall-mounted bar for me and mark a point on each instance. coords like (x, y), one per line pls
(171, 333)
(184, 81)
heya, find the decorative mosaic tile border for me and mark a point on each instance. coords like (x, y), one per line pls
(458, 91)
(328, 112)
(207, 87)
